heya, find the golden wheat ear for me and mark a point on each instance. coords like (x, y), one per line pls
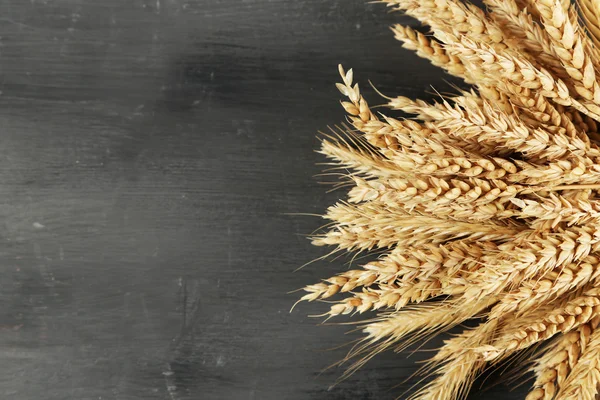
(583, 380)
(590, 11)
(555, 363)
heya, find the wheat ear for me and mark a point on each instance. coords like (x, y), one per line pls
(584, 378)
(556, 363)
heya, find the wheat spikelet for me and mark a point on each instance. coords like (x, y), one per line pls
(394, 329)
(371, 226)
(547, 213)
(545, 287)
(583, 380)
(545, 322)
(520, 24)
(483, 205)
(590, 10)
(531, 254)
(453, 17)
(484, 123)
(360, 158)
(464, 200)
(557, 362)
(403, 267)
(431, 50)
(571, 170)
(395, 296)
(572, 47)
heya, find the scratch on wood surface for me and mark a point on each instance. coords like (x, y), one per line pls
(190, 312)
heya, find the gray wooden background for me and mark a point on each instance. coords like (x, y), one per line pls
(151, 153)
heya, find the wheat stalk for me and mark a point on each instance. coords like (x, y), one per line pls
(481, 205)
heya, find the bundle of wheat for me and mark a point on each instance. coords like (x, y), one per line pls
(485, 205)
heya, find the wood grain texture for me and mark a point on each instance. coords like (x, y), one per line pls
(152, 151)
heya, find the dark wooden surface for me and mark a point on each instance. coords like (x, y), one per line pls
(151, 153)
